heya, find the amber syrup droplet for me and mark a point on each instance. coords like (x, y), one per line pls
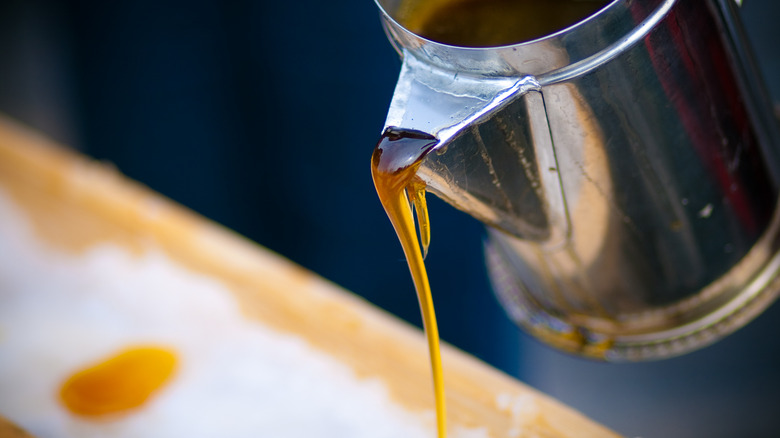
(394, 166)
(119, 383)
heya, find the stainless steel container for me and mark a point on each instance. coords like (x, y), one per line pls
(627, 168)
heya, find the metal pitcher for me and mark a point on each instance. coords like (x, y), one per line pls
(627, 168)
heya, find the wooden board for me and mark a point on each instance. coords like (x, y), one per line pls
(10, 430)
(74, 203)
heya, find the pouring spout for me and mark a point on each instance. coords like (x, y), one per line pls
(443, 102)
(494, 148)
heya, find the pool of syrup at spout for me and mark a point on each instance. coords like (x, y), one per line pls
(488, 23)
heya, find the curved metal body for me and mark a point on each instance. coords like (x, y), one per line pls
(628, 168)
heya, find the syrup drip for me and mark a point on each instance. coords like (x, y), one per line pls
(118, 384)
(394, 166)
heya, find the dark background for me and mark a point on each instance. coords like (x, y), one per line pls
(262, 116)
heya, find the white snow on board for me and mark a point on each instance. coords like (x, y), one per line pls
(60, 312)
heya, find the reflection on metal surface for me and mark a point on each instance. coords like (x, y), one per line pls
(627, 167)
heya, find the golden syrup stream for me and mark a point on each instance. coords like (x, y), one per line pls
(394, 167)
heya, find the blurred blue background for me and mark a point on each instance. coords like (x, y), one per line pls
(262, 116)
